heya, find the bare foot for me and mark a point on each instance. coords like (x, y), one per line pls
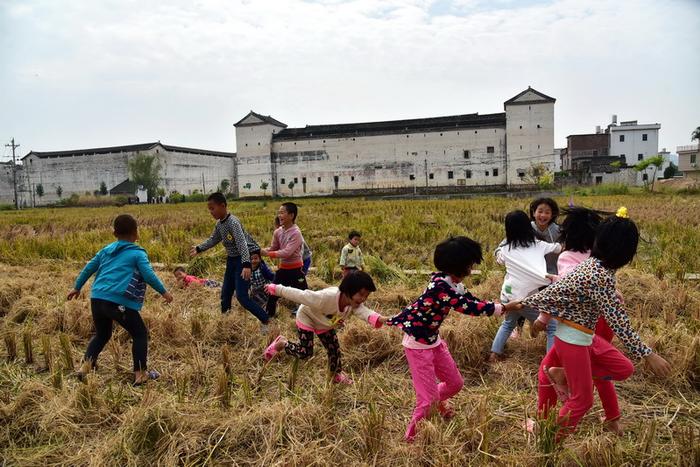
(557, 375)
(613, 426)
(495, 358)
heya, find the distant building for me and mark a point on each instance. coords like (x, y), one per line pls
(689, 160)
(459, 152)
(587, 154)
(183, 170)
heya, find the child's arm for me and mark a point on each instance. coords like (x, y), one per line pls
(310, 298)
(606, 300)
(241, 243)
(208, 243)
(371, 316)
(343, 256)
(464, 303)
(266, 271)
(149, 276)
(89, 269)
(292, 247)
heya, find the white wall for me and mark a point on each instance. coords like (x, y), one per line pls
(530, 130)
(185, 172)
(253, 146)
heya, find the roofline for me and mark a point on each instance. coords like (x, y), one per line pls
(266, 119)
(126, 148)
(544, 98)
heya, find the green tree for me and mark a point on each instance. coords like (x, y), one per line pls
(103, 188)
(671, 170)
(291, 187)
(144, 170)
(263, 187)
(224, 185)
(59, 191)
(39, 190)
(654, 161)
(695, 136)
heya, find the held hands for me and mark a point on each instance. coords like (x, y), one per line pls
(75, 293)
(270, 289)
(245, 274)
(512, 306)
(658, 365)
(552, 277)
(265, 252)
(167, 296)
(537, 327)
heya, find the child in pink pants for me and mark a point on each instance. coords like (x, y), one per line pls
(577, 301)
(428, 357)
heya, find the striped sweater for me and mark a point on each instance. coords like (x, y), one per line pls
(229, 231)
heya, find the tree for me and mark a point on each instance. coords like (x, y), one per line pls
(144, 170)
(695, 136)
(671, 170)
(39, 190)
(291, 187)
(59, 191)
(263, 187)
(103, 188)
(540, 175)
(655, 161)
(224, 185)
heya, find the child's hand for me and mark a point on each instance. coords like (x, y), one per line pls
(270, 289)
(75, 293)
(245, 274)
(512, 306)
(552, 277)
(167, 296)
(658, 365)
(619, 296)
(264, 252)
(382, 320)
(193, 251)
(537, 327)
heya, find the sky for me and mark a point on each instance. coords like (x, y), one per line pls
(81, 74)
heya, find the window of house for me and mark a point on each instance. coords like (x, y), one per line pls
(319, 179)
(411, 177)
(352, 178)
(521, 146)
(487, 173)
(258, 143)
(521, 173)
(469, 174)
(622, 138)
(644, 137)
(645, 177)
(495, 172)
(521, 127)
(467, 154)
(431, 176)
(640, 157)
(539, 126)
(450, 174)
(489, 149)
(598, 179)
(296, 180)
(303, 180)
(595, 152)
(692, 158)
(281, 181)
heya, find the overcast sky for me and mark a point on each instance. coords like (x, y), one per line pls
(80, 74)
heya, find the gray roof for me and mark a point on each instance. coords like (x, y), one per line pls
(542, 98)
(264, 118)
(127, 148)
(417, 125)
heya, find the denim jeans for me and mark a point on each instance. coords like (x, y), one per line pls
(234, 281)
(511, 321)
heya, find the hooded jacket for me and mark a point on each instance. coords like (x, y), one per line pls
(122, 270)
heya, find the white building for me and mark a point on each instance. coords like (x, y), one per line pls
(460, 152)
(81, 171)
(634, 142)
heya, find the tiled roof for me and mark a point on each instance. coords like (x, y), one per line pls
(126, 148)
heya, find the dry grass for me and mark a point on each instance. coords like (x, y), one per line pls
(217, 402)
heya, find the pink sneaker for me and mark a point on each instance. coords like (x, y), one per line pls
(271, 349)
(342, 378)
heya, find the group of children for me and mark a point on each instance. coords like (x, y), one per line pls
(560, 278)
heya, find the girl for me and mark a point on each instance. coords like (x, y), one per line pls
(577, 301)
(287, 246)
(321, 313)
(428, 357)
(578, 234)
(524, 258)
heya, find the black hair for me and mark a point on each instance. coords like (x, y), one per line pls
(456, 255)
(217, 197)
(355, 282)
(519, 231)
(292, 209)
(579, 228)
(353, 234)
(125, 225)
(615, 242)
(179, 269)
(254, 252)
(549, 202)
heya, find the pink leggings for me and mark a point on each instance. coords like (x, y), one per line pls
(427, 366)
(598, 364)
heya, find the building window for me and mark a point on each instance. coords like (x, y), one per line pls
(469, 173)
(450, 175)
(644, 137)
(352, 178)
(521, 173)
(495, 172)
(303, 180)
(692, 158)
(645, 177)
(411, 177)
(598, 179)
(640, 157)
(487, 173)
(622, 138)
(296, 180)
(489, 149)
(431, 176)
(281, 181)
(521, 148)
(521, 127)
(319, 179)
(258, 144)
(538, 126)
(595, 152)
(466, 153)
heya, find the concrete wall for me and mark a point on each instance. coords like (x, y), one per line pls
(530, 132)
(185, 172)
(383, 162)
(7, 194)
(633, 145)
(253, 148)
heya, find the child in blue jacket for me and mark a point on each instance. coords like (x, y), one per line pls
(122, 271)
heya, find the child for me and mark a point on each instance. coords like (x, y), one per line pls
(577, 301)
(428, 357)
(185, 279)
(321, 313)
(122, 271)
(351, 255)
(305, 251)
(286, 245)
(523, 256)
(261, 276)
(229, 231)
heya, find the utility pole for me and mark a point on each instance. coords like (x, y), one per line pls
(14, 170)
(203, 189)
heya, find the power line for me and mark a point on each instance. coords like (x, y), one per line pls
(14, 170)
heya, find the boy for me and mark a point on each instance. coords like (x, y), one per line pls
(229, 231)
(260, 277)
(287, 246)
(351, 255)
(185, 279)
(122, 271)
